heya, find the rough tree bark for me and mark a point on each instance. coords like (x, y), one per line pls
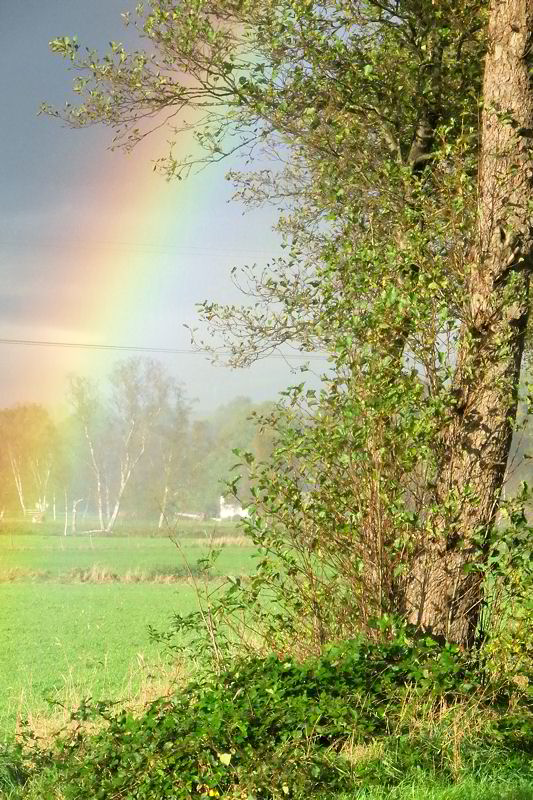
(444, 595)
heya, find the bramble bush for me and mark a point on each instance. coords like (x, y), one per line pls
(271, 727)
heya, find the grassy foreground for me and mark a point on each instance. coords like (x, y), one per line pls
(399, 720)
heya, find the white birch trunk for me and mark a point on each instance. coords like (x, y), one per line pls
(65, 527)
(75, 505)
(126, 470)
(164, 499)
(98, 478)
(18, 482)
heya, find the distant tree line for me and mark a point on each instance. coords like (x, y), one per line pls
(129, 447)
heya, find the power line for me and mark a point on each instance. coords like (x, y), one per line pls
(141, 246)
(138, 349)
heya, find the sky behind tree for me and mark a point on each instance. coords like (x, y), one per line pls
(96, 247)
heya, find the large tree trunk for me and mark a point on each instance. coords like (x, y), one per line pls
(445, 592)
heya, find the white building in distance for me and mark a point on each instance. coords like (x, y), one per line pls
(231, 510)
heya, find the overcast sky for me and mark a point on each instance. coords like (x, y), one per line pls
(94, 246)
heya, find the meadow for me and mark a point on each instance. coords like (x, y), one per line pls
(75, 612)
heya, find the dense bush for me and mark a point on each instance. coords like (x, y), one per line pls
(362, 714)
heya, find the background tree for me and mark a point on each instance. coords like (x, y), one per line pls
(232, 427)
(117, 427)
(30, 456)
(89, 415)
(160, 483)
(191, 461)
(140, 391)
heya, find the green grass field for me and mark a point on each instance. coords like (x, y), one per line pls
(58, 557)
(64, 637)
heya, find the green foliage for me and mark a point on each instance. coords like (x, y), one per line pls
(344, 90)
(274, 727)
(508, 613)
(12, 770)
(338, 514)
(332, 518)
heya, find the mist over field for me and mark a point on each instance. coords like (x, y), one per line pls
(130, 449)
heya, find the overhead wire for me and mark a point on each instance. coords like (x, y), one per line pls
(141, 349)
(132, 245)
(136, 348)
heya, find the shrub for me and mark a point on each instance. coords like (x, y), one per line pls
(274, 727)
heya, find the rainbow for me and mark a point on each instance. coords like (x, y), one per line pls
(118, 271)
(130, 258)
(128, 250)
